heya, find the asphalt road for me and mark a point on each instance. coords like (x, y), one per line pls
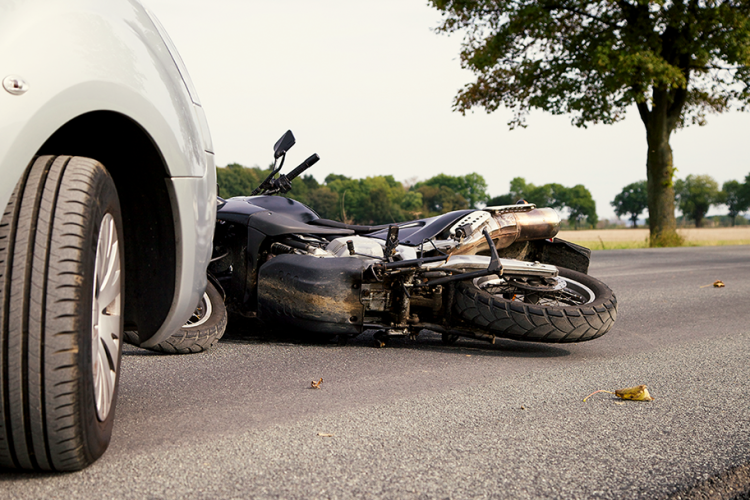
(474, 420)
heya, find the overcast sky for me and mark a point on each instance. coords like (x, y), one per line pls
(368, 85)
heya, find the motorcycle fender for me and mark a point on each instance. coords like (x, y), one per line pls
(312, 293)
(555, 251)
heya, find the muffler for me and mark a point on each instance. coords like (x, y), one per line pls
(506, 225)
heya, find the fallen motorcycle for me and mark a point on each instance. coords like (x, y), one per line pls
(494, 272)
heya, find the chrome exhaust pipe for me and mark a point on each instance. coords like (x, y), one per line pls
(506, 225)
(537, 224)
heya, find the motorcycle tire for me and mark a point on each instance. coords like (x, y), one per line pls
(583, 309)
(202, 331)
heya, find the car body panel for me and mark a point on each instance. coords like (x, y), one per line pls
(82, 56)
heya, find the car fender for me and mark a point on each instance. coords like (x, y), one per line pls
(84, 56)
(142, 80)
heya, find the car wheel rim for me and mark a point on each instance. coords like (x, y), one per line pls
(106, 330)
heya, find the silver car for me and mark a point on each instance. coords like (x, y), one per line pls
(109, 189)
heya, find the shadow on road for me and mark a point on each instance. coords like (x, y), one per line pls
(244, 331)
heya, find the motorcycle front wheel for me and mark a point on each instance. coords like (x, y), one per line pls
(573, 307)
(201, 332)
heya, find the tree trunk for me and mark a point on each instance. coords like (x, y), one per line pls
(699, 219)
(660, 169)
(661, 219)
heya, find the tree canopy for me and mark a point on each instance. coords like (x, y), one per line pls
(371, 200)
(674, 60)
(736, 196)
(631, 201)
(695, 195)
(471, 187)
(577, 200)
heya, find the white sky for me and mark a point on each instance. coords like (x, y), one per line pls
(369, 86)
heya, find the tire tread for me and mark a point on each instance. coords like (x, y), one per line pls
(42, 237)
(191, 340)
(535, 323)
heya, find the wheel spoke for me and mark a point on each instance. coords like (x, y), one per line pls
(108, 266)
(110, 337)
(106, 320)
(201, 314)
(105, 378)
(109, 293)
(567, 295)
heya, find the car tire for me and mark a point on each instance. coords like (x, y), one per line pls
(61, 305)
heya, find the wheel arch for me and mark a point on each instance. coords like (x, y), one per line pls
(140, 174)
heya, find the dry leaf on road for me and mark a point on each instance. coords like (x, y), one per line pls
(637, 393)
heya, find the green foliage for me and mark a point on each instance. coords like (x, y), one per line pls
(725, 221)
(695, 195)
(471, 187)
(593, 59)
(503, 199)
(372, 200)
(675, 60)
(577, 199)
(236, 180)
(736, 196)
(631, 201)
(580, 204)
(666, 240)
(547, 195)
(439, 200)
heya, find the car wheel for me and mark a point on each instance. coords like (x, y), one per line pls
(61, 305)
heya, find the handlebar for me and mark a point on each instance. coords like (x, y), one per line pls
(283, 183)
(312, 160)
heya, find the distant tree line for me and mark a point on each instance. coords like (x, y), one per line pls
(372, 200)
(694, 196)
(382, 199)
(576, 201)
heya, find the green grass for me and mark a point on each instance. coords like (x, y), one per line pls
(610, 245)
(626, 245)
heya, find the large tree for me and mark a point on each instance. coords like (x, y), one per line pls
(631, 201)
(695, 195)
(581, 205)
(674, 59)
(736, 196)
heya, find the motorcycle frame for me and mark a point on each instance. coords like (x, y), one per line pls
(385, 296)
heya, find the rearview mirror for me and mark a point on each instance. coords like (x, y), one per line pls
(283, 145)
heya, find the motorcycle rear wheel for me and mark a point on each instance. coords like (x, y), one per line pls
(575, 308)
